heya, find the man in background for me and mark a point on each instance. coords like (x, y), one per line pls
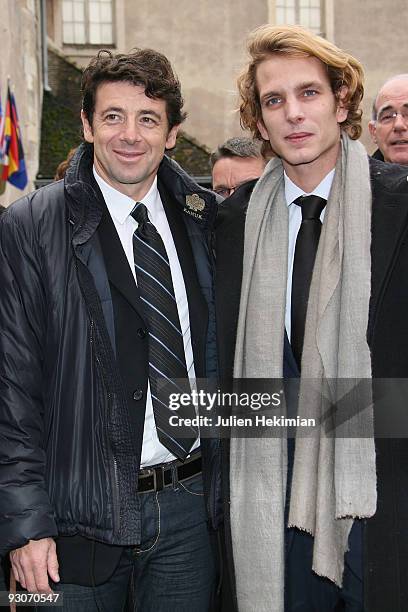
(389, 124)
(235, 162)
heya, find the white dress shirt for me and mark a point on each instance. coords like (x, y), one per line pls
(292, 192)
(120, 206)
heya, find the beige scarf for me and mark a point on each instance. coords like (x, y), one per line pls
(334, 478)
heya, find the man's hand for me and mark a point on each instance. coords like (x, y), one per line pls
(33, 563)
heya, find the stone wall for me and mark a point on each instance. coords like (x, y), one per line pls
(375, 33)
(205, 43)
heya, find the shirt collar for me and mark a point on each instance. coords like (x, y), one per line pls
(292, 191)
(120, 205)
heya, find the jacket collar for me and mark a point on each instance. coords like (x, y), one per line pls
(378, 155)
(85, 199)
(85, 202)
(194, 201)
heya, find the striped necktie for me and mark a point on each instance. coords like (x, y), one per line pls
(166, 348)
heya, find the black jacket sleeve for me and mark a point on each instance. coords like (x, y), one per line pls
(25, 510)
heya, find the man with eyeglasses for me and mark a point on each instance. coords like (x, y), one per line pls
(234, 163)
(389, 123)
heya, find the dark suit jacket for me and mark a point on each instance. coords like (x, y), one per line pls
(385, 535)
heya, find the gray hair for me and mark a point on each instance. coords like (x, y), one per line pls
(237, 147)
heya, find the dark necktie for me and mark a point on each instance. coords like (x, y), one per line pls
(166, 348)
(307, 242)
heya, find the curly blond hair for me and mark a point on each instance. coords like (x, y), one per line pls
(342, 69)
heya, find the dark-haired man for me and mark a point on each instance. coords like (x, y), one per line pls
(316, 267)
(106, 291)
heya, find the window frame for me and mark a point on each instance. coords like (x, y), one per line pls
(88, 44)
(297, 7)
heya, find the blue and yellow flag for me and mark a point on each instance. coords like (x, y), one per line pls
(11, 146)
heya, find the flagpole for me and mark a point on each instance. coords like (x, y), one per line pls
(2, 141)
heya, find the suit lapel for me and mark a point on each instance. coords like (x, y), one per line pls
(120, 275)
(117, 265)
(197, 307)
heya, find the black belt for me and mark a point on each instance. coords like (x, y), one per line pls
(157, 477)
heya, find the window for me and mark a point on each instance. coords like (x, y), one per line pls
(307, 13)
(87, 22)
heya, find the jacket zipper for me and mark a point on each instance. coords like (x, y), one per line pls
(114, 472)
(116, 507)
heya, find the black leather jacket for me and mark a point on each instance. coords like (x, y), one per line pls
(67, 450)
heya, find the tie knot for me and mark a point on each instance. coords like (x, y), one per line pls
(139, 213)
(311, 205)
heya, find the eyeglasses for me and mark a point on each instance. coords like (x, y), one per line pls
(388, 116)
(225, 192)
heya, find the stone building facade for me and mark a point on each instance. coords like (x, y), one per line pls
(204, 39)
